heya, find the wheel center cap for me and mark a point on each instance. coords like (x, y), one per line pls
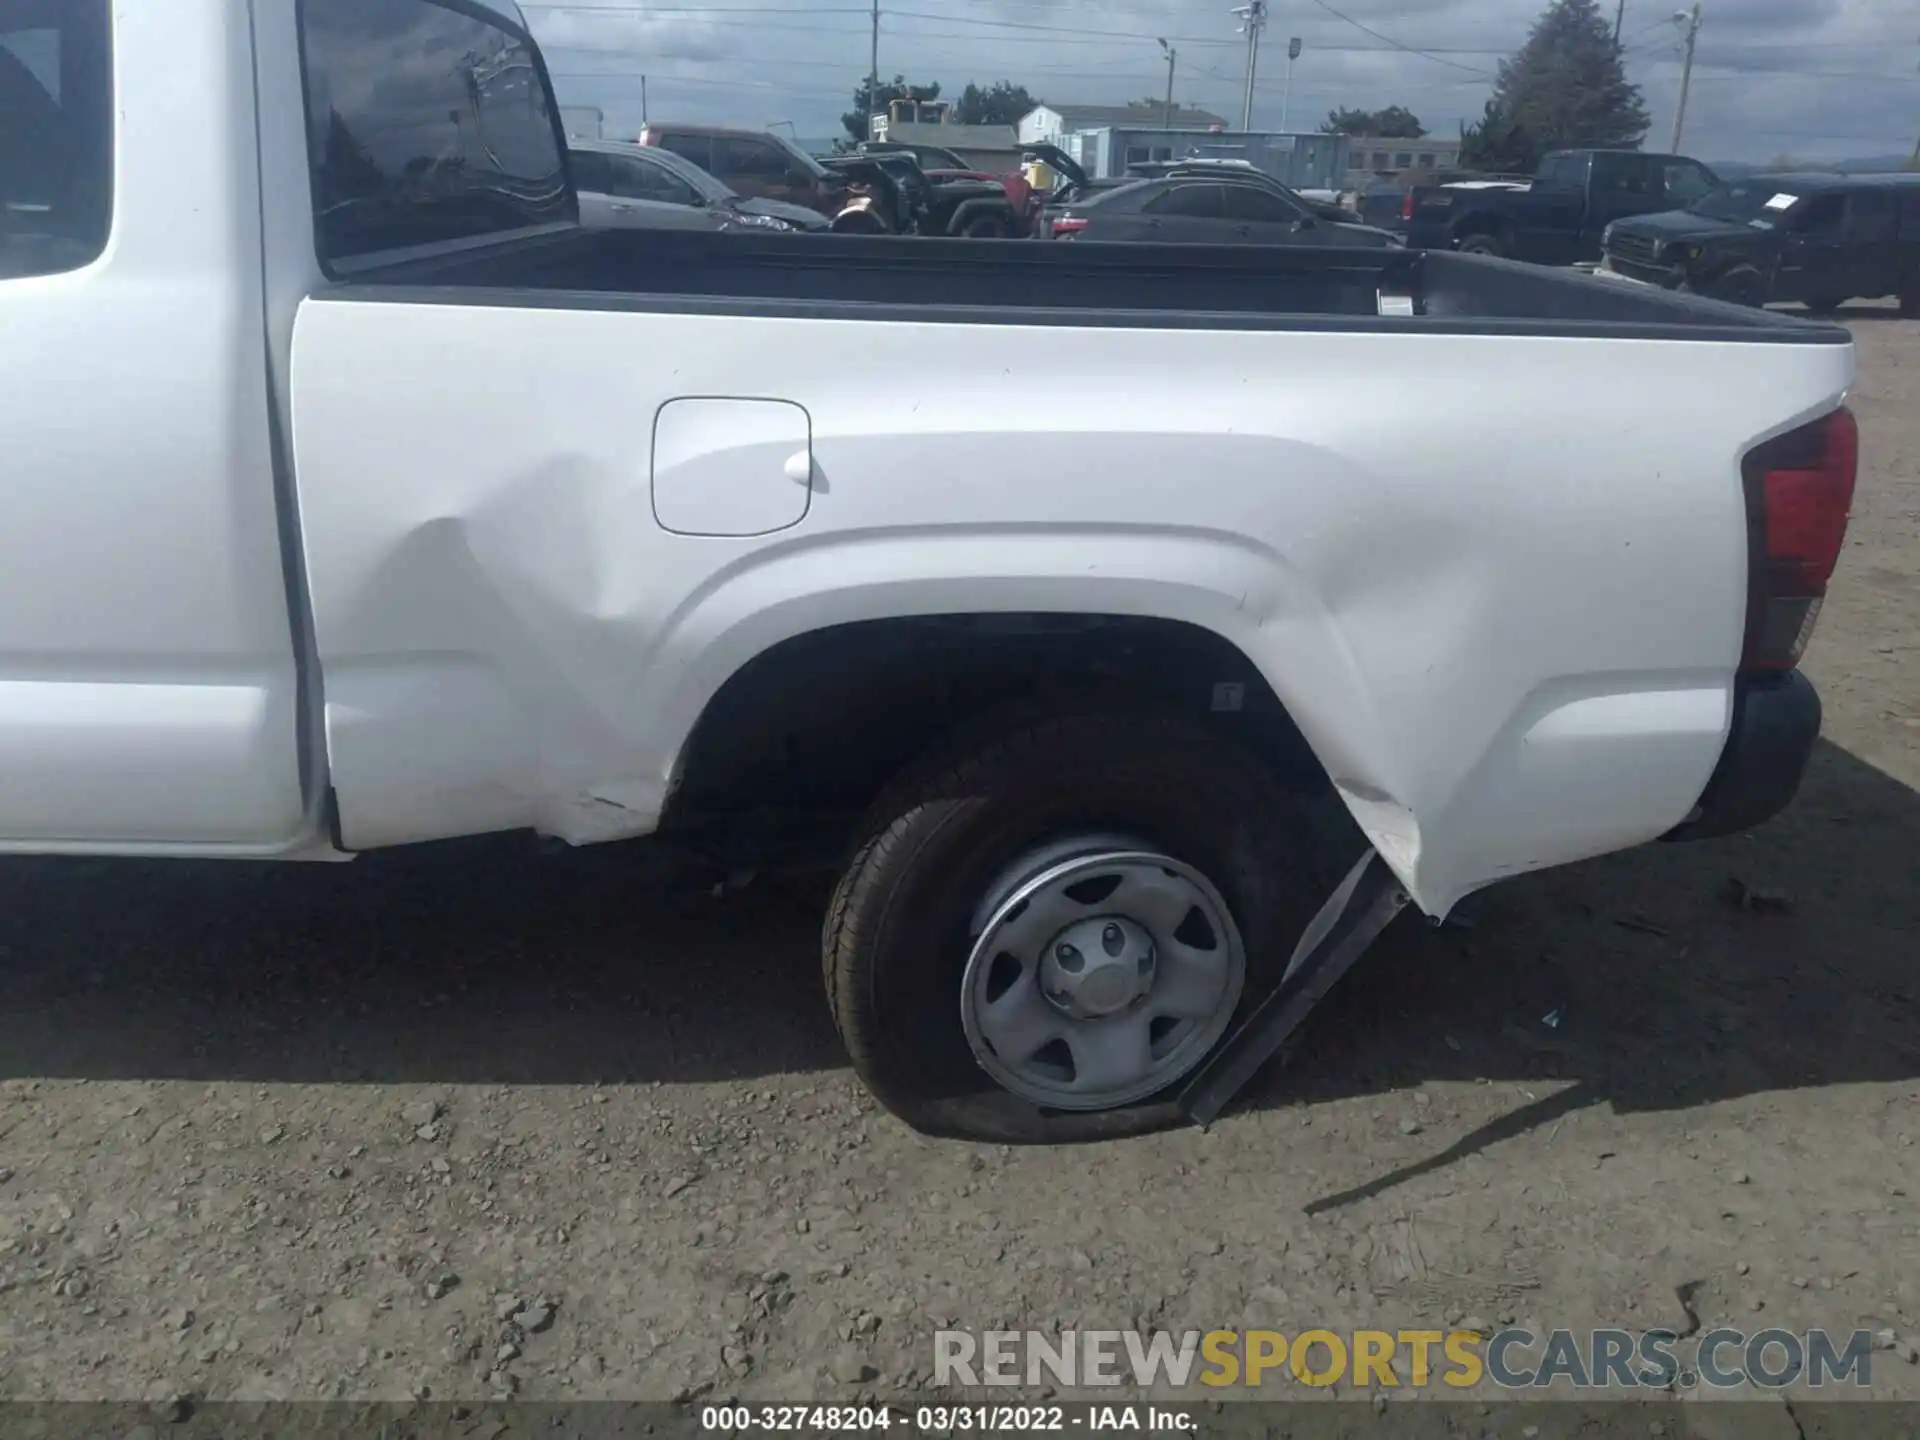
(1098, 967)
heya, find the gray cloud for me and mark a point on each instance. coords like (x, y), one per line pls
(1816, 78)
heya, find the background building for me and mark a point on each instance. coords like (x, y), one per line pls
(1370, 156)
(1052, 124)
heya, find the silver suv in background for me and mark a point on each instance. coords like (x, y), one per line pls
(641, 186)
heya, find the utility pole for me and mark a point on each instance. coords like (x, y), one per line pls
(1166, 117)
(1286, 91)
(1619, 18)
(1253, 19)
(1690, 19)
(873, 71)
(643, 100)
(1914, 162)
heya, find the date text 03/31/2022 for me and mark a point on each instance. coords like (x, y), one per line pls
(944, 1419)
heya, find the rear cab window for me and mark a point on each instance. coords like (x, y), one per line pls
(429, 122)
(56, 135)
(1563, 172)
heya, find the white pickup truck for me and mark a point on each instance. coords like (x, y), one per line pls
(356, 496)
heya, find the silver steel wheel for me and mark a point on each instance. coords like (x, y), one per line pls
(1101, 973)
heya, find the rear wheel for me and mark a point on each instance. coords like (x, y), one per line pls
(1910, 305)
(1043, 934)
(1741, 287)
(1827, 305)
(1485, 243)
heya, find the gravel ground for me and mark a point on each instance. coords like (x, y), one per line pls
(471, 1123)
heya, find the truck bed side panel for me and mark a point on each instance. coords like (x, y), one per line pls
(1505, 609)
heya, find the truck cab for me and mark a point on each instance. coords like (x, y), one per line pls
(1559, 219)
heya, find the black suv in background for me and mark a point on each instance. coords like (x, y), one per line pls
(1819, 239)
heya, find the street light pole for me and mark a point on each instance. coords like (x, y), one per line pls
(1253, 17)
(1286, 90)
(1166, 118)
(873, 71)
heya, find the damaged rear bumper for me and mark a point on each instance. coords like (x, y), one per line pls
(1775, 722)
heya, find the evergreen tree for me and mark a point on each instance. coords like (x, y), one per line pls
(1566, 88)
(1396, 122)
(1002, 103)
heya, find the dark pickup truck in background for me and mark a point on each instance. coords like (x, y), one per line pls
(1819, 239)
(1560, 217)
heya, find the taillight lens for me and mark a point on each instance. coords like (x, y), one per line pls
(1406, 206)
(1066, 227)
(1799, 494)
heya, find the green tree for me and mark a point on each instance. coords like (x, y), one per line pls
(868, 101)
(1499, 143)
(1396, 122)
(1002, 103)
(1566, 88)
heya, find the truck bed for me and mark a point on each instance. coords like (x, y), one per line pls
(1028, 283)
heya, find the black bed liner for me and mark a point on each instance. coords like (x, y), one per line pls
(1025, 282)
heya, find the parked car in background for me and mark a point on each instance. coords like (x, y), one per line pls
(638, 185)
(1558, 219)
(1387, 202)
(1325, 205)
(1819, 239)
(759, 164)
(1205, 210)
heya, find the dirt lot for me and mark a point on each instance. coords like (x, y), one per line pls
(321, 1132)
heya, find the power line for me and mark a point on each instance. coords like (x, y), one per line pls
(1397, 45)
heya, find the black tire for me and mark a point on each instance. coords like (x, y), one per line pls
(1483, 243)
(1741, 287)
(988, 227)
(1910, 306)
(896, 939)
(1826, 305)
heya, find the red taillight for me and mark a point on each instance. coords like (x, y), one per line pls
(1406, 206)
(1799, 493)
(1065, 227)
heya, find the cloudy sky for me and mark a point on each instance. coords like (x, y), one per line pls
(1812, 78)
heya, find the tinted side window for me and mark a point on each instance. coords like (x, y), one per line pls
(590, 171)
(56, 135)
(1910, 214)
(652, 182)
(1819, 214)
(1563, 172)
(1870, 215)
(1199, 202)
(1625, 177)
(1245, 202)
(752, 160)
(426, 123)
(1684, 182)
